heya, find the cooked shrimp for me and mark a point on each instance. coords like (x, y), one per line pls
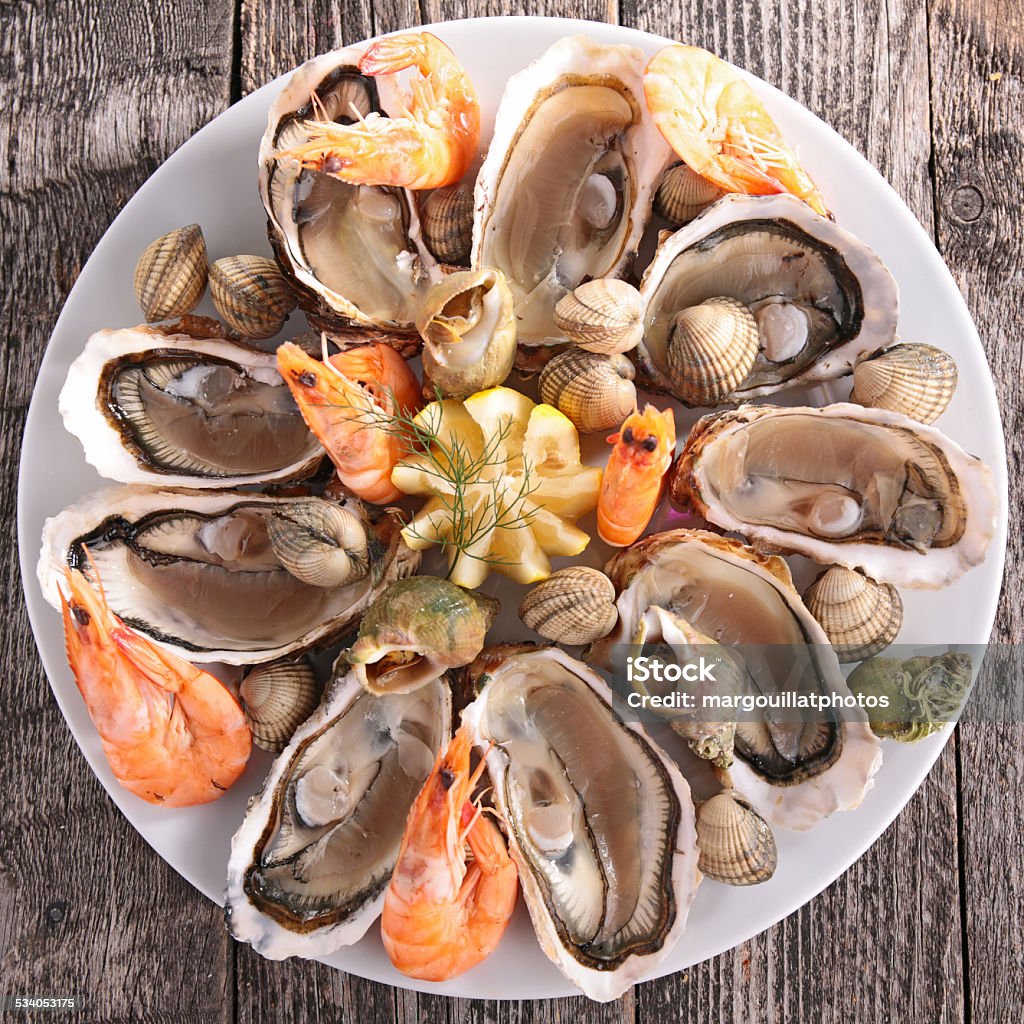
(440, 916)
(350, 415)
(632, 483)
(715, 122)
(172, 733)
(430, 144)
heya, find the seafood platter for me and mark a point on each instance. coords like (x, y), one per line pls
(542, 364)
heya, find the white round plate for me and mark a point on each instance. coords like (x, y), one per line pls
(212, 180)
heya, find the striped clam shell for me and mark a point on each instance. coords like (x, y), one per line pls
(170, 277)
(572, 606)
(320, 543)
(859, 616)
(251, 295)
(914, 379)
(276, 699)
(595, 391)
(683, 194)
(604, 315)
(736, 844)
(446, 219)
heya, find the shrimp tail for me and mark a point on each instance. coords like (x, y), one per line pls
(396, 53)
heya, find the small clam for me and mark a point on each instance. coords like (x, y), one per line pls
(320, 543)
(859, 616)
(711, 350)
(683, 194)
(251, 295)
(170, 277)
(604, 315)
(920, 694)
(416, 630)
(277, 698)
(468, 327)
(736, 844)
(596, 392)
(572, 606)
(917, 380)
(447, 221)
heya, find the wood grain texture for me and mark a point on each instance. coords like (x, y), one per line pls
(97, 95)
(94, 99)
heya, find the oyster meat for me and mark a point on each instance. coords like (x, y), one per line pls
(179, 411)
(869, 489)
(353, 252)
(566, 189)
(199, 574)
(819, 295)
(599, 821)
(794, 768)
(312, 858)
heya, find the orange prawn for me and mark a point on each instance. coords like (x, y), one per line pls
(711, 117)
(172, 733)
(348, 401)
(632, 483)
(440, 916)
(429, 144)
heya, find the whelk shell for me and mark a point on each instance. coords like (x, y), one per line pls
(916, 380)
(711, 350)
(446, 218)
(277, 698)
(320, 543)
(572, 606)
(736, 844)
(596, 392)
(170, 277)
(683, 194)
(859, 616)
(604, 315)
(251, 295)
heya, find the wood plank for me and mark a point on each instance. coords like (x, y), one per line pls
(96, 97)
(977, 96)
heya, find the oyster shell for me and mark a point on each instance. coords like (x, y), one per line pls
(821, 296)
(179, 411)
(197, 572)
(566, 188)
(599, 821)
(353, 252)
(312, 858)
(875, 490)
(794, 772)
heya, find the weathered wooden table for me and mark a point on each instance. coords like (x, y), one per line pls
(925, 927)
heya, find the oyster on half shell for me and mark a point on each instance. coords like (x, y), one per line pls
(198, 572)
(180, 411)
(820, 296)
(599, 821)
(795, 769)
(866, 488)
(566, 189)
(353, 252)
(310, 863)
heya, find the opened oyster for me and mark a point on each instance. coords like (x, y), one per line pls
(353, 252)
(599, 821)
(313, 856)
(866, 488)
(794, 768)
(180, 411)
(820, 296)
(566, 189)
(198, 572)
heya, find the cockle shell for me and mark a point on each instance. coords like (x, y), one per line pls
(251, 295)
(446, 218)
(277, 698)
(170, 277)
(711, 350)
(320, 543)
(595, 391)
(916, 380)
(859, 616)
(604, 315)
(572, 606)
(736, 844)
(683, 194)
